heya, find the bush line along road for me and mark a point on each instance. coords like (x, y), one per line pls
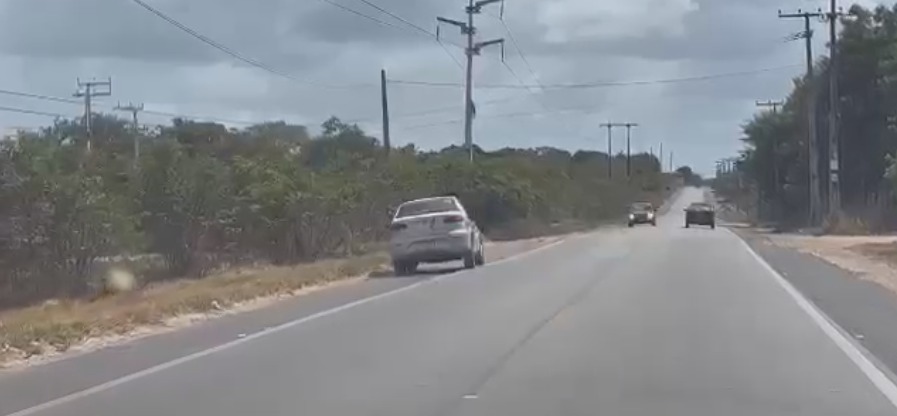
(648, 320)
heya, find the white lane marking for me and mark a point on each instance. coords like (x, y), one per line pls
(870, 370)
(267, 331)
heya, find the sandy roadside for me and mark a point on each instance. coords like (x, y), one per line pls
(43, 351)
(870, 258)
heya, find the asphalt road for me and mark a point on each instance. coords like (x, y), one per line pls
(645, 321)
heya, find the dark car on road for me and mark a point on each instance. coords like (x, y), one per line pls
(700, 213)
(642, 213)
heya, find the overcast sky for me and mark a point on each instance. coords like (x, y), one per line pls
(334, 58)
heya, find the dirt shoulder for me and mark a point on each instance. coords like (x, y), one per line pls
(870, 258)
(58, 328)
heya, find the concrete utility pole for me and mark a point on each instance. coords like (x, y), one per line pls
(775, 144)
(660, 157)
(815, 202)
(473, 48)
(88, 90)
(384, 102)
(133, 109)
(771, 104)
(629, 127)
(610, 155)
(834, 194)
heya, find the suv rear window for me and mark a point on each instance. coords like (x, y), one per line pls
(429, 206)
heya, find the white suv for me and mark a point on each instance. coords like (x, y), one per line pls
(434, 230)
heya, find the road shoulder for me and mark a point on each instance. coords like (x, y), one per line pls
(863, 308)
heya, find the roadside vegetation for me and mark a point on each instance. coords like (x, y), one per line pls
(202, 200)
(771, 179)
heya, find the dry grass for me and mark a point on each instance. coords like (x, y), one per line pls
(846, 225)
(55, 326)
(884, 252)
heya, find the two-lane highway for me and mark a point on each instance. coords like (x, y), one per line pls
(643, 321)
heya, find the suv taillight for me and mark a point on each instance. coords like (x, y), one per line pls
(454, 219)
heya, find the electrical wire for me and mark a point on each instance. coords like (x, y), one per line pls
(520, 51)
(229, 51)
(506, 115)
(412, 25)
(41, 97)
(360, 14)
(150, 112)
(599, 84)
(33, 112)
(197, 117)
(399, 18)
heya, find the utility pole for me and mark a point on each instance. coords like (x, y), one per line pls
(815, 202)
(133, 109)
(771, 104)
(660, 158)
(88, 90)
(834, 203)
(473, 48)
(629, 127)
(775, 144)
(384, 102)
(671, 161)
(610, 155)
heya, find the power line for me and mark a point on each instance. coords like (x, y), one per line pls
(519, 50)
(360, 14)
(199, 117)
(41, 97)
(438, 110)
(151, 112)
(506, 115)
(394, 16)
(211, 42)
(399, 18)
(600, 84)
(414, 26)
(33, 112)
